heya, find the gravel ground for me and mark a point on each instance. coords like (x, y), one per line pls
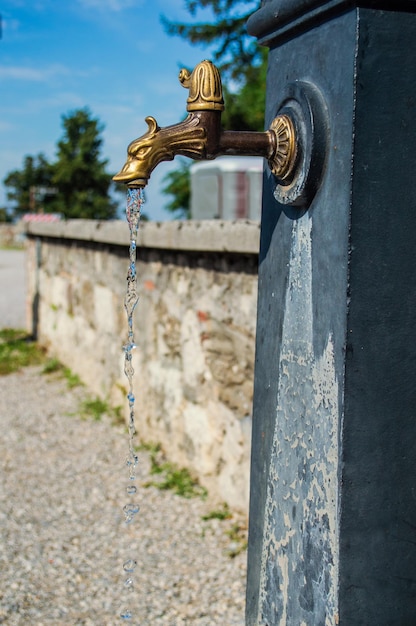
(63, 535)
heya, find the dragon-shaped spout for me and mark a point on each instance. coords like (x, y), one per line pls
(201, 137)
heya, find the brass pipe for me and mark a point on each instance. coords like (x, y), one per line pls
(201, 137)
(247, 143)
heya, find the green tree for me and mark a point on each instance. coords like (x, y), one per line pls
(79, 172)
(239, 59)
(4, 215)
(244, 109)
(76, 185)
(176, 184)
(238, 56)
(233, 50)
(22, 184)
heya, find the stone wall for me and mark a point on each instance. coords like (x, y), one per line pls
(10, 236)
(194, 327)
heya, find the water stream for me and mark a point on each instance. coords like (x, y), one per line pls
(135, 199)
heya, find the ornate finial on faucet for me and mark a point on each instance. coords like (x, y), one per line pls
(200, 136)
(205, 88)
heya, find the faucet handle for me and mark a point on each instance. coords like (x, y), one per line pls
(205, 87)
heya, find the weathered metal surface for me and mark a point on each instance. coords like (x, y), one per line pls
(332, 501)
(377, 526)
(299, 565)
(302, 256)
(279, 20)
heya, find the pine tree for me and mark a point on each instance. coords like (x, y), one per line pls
(23, 184)
(79, 172)
(239, 59)
(76, 185)
(233, 50)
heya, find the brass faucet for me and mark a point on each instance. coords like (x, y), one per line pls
(201, 137)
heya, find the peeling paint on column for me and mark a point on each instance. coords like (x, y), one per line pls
(299, 573)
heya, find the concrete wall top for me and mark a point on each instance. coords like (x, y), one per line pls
(196, 236)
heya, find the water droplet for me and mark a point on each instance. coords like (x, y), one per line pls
(128, 347)
(131, 489)
(126, 614)
(129, 565)
(129, 371)
(131, 300)
(131, 509)
(128, 582)
(132, 460)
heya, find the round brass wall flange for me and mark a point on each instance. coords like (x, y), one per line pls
(304, 162)
(284, 159)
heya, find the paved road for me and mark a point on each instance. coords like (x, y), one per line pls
(12, 289)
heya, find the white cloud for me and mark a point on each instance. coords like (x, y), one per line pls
(62, 99)
(21, 73)
(15, 72)
(109, 5)
(34, 106)
(42, 74)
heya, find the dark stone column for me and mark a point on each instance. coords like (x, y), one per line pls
(333, 488)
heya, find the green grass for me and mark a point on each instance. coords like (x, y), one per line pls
(94, 408)
(237, 532)
(179, 480)
(153, 448)
(117, 416)
(12, 246)
(18, 350)
(221, 514)
(89, 408)
(53, 366)
(238, 536)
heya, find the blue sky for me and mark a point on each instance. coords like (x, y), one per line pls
(110, 55)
